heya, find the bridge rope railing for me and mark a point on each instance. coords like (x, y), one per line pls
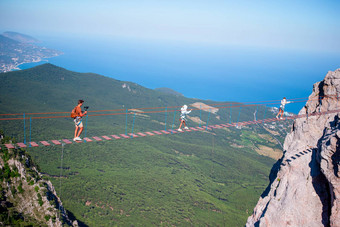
(169, 109)
(226, 105)
(165, 132)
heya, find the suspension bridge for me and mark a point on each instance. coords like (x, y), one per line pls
(165, 131)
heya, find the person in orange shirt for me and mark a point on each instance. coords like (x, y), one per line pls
(78, 121)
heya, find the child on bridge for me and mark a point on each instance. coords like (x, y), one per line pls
(282, 107)
(184, 113)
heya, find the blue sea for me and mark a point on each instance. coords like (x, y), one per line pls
(214, 72)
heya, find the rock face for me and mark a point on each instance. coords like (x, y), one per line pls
(25, 197)
(304, 187)
(329, 159)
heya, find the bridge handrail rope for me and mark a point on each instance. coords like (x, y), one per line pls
(159, 111)
(163, 132)
(268, 102)
(134, 112)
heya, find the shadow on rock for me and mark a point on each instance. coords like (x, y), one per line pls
(321, 188)
(273, 174)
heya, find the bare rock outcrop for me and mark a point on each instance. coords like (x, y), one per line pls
(26, 196)
(304, 184)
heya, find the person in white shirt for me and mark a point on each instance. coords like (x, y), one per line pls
(282, 107)
(184, 113)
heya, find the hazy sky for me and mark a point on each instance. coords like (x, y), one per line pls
(289, 24)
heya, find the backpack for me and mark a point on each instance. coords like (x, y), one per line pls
(73, 113)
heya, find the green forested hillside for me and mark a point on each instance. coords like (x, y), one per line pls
(199, 178)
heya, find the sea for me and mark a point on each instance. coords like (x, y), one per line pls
(202, 71)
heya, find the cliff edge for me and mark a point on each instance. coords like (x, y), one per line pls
(26, 198)
(304, 187)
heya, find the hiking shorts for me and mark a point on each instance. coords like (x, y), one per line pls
(78, 122)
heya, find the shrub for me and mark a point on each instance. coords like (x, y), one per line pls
(20, 189)
(6, 156)
(47, 217)
(6, 171)
(13, 190)
(14, 173)
(40, 200)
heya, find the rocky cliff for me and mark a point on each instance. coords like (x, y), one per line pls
(26, 199)
(304, 187)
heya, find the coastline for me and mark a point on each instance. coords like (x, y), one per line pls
(17, 67)
(34, 62)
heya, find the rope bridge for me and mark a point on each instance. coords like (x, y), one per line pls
(165, 110)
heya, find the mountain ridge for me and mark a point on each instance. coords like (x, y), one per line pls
(21, 38)
(168, 91)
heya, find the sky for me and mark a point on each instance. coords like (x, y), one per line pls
(295, 25)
